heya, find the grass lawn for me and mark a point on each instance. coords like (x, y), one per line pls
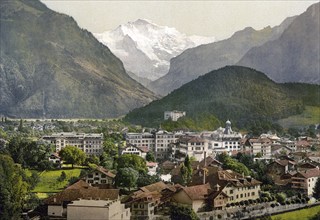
(303, 214)
(49, 183)
(309, 116)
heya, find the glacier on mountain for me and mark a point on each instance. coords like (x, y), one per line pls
(146, 48)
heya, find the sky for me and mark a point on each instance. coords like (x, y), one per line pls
(219, 19)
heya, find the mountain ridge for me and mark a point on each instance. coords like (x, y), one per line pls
(49, 67)
(294, 56)
(237, 93)
(200, 60)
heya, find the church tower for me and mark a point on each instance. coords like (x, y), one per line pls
(228, 129)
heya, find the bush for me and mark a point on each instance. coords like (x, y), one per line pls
(241, 202)
(288, 202)
(62, 177)
(273, 205)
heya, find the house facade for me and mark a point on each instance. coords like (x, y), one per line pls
(305, 180)
(85, 209)
(193, 147)
(132, 149)
(159, 142)
(100, 176)
(91, 144)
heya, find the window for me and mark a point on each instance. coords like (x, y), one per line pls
(231, 191)
(90, 176)
(103, 175)
(253, 193)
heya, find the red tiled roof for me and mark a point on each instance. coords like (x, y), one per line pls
(309, 173)
(197, 192)
(69, 195)
(105, 171)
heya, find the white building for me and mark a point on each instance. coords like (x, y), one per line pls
(132, 149)
(223, 140)
(173, 115)
(158, 142)
(85, 209)
(259, 147)
(193, 147)
(144, 139)
(91, 144)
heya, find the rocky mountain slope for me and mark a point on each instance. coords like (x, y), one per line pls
(146, 48)
(293, 57)
(198, 61)
(241, 94)
(49, 67)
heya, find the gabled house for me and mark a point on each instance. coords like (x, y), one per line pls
(55, 158)
(100, 176)
(57, 204)
(305, 180)
(193, 196)
(280, 167)
(148, 199)
(132, 149)
(217, 199)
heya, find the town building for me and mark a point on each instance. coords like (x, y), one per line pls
(148, 199)
(193, 146)
(194, 196)
(223, 140)
(236, 186)
(306, 180)
(132, 149)
(159, 142)
(88, 209)
(259, 147)
(173, 115)
(91, 144)
(57, 204)
(100, 176)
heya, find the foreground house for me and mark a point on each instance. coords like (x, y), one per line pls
(193, 196)
(85, 209)
(149, 199)
(305, 180)
(57, 204)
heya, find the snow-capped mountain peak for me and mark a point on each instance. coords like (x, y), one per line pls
(146, 48)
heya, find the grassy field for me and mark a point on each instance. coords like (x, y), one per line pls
(49, 180)
(303, 214)
(311, 115)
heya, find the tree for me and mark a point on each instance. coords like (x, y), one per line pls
(62, 176)
(127, 177)
(134, 161)
(20, 128)
(186, 171)
(13, 190)
(281, 197)
(179, 212)
(72, 155)
(146, 179)
(150, 157)
(110, 148)
(316, 189)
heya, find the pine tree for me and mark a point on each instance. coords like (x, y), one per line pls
(316, 189)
